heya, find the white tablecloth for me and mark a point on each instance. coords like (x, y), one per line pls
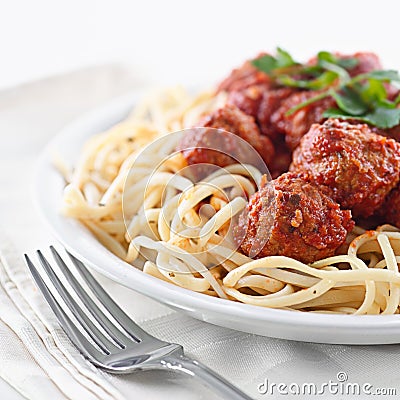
(29, 116)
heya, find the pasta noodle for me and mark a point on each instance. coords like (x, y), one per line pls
(139, 205)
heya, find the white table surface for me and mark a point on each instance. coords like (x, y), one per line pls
(7, 392)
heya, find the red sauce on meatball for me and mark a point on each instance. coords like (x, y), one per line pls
(209, 146)
(243, 77)
(260, 102)
(291, 216)
(358, 165)
(296, 125)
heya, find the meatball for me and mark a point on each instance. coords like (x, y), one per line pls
(393, 133)
(260, 102)
(390, 210)
(271, 102)
(231, 119)
(202, 146)
(211, 146)
(358, 165)
(248, 99)
(296, 125)
(366, 62)
(243, 77)
(290, 216)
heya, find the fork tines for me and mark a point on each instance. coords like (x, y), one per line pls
(106, 335)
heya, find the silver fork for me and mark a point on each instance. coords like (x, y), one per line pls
(122, 346)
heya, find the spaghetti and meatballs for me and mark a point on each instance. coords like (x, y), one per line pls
(262, 197)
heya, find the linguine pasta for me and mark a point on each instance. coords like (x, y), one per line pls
(142, 207)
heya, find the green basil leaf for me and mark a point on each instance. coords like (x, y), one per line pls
(336, 113)
(284, 59)
(384, 75)
(325, 80)
(374, 90)
(326, 56)
(341, 72)
(313, 70)
(383, 117)
(350, 102)
(268, 63)
(265, 63)
(345, 63)
(287, 80)
(322, 82)
(348, 63)
(385, 103)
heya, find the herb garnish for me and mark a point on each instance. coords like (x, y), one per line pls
(363, 97)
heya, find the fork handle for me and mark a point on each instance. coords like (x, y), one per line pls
(208, 377)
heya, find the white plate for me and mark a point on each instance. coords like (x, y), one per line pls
(78, 240)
